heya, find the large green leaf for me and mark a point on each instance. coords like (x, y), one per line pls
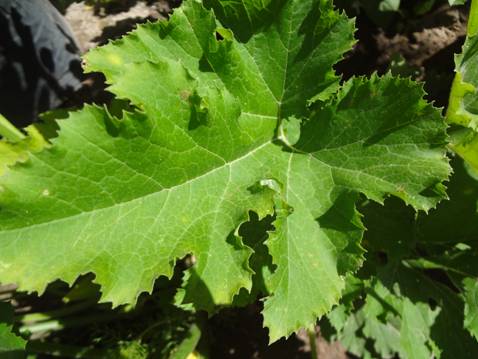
(222, 128)
(245, 17)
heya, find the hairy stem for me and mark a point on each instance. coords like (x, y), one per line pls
(473, 19)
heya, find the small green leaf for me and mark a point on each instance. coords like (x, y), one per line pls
(415, 341)
(11, 153)
(9, 342)
(471, 305)
(389, 5)
(456, 2)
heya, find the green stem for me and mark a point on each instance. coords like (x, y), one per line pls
(313, 343)
(55, 314)
(473, 19)
(459, 88)
(55, 325)
(151, 327)
(10, 132)
(188, 345)
(429, 264)
(51, 325)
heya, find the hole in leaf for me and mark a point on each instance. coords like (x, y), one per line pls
(254, 233)
(219, 37)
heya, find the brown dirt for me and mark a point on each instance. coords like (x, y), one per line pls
(434, 33)
(93, 27)
(427, 45)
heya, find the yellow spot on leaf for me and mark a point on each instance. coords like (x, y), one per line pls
(192, 355)
(114, 59)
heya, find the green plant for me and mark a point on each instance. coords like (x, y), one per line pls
(9, 342)
(231, 122)
(416, 294)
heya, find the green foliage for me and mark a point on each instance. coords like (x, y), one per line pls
(425, 259)
(222, 132)
(394, 324)
(407, 259)
(471, 305)
(10, 343)
(463, 103)
(463, 108)
(238, 150)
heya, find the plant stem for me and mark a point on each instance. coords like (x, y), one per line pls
(313, 343)
(10, 132)
(54, 325)
(55, 314)
(189, 344)
(458, 88)
(473, 19)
